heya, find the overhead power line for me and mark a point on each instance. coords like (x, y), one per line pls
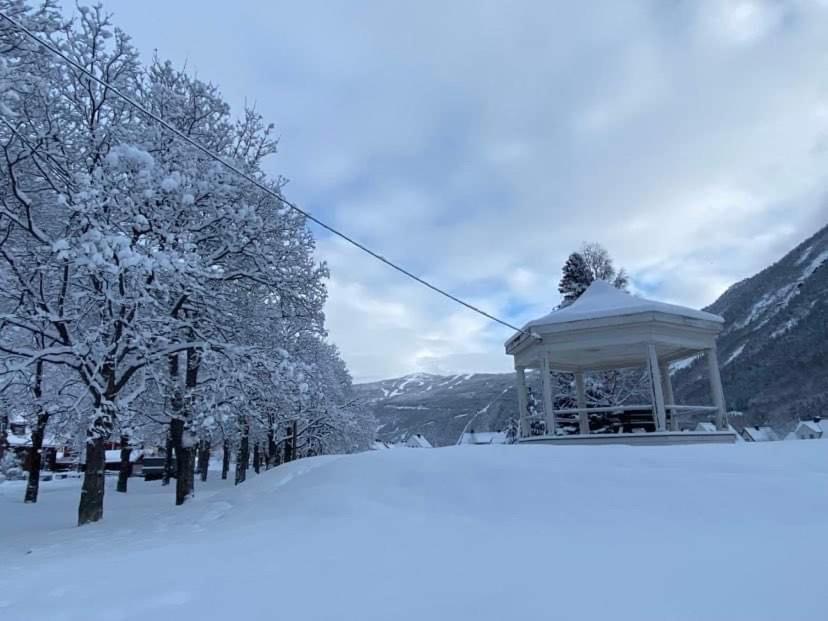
(57, 52)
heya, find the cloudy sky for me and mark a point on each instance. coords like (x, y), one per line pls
(480, 142)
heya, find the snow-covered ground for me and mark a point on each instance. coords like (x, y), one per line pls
(494, 532)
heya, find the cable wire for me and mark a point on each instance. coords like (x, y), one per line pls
(250, 179)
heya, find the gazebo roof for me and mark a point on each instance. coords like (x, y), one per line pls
(609, 328)
(602, 300)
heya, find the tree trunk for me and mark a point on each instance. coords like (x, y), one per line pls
(244, 454)
(199, 456)
(204, 459)
(126, 465)
(290, 443)
(225, 459)
(256, 458)
(184, 460)
(90, 508)
(168, 456)
(4, 426)
(183, 441)
(272, 448)
(36, 457)
(36, 460)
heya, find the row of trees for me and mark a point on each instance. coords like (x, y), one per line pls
(147, 294)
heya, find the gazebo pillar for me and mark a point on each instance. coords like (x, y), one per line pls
(523, 402)
(669, 398)
(658, 393)
(580, 392)
(547, 397)
(716, 387)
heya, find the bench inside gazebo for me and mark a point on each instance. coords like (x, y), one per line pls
(607, 329)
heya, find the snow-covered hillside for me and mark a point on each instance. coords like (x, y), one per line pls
(415, 384)
(497, 532)
(440, 407)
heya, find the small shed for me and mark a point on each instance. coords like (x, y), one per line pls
(607, 329)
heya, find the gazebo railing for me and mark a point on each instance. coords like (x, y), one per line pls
(548, 422)
(633, 408)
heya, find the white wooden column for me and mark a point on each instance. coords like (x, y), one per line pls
(716, 387)
(669, 398)
(580, 391)
(551, 424)
(658, 393)
(520, 374)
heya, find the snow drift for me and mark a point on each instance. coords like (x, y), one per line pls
(496, 532)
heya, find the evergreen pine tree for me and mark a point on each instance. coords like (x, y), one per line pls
(592, 262)
(576, 278)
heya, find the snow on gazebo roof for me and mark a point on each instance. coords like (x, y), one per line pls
(602, 300)
(607, 328)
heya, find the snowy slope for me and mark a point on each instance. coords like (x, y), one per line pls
(483, 533)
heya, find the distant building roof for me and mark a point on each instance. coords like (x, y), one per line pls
(817, 427)
(25, 439)
(759, 434)
(377, 445)
(418, 440)
(483, 437)
(114, 455)
(709, 427)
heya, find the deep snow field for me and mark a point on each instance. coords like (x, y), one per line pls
(485, 533)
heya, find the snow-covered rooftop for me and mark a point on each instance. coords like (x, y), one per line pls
(483, 437)
(602, 300)
(761, 434)
(418, 440)
(114, 455)
(607, 328)
(818, 427)
(22, 440)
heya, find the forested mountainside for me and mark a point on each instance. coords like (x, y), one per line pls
(774, 347)
(773, 351)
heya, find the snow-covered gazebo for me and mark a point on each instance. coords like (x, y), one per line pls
(608, 329)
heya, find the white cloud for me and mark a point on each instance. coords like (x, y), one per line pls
(479, 144)
(742, 21)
